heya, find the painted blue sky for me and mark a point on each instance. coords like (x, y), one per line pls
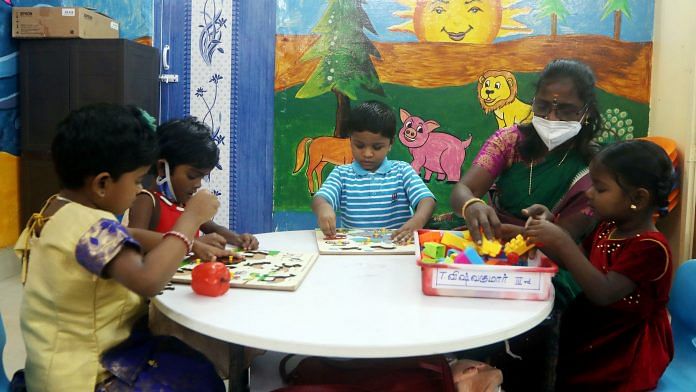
(299, 16)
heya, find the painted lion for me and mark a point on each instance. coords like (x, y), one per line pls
(497, 92)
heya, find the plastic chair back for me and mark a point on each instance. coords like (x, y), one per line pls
(681, 373)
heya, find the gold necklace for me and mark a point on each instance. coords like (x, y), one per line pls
(531, 171)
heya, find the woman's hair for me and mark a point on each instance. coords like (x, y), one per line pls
(640, 164)
(583, 80)
(187, 142)
(102, 138)
(372, 116)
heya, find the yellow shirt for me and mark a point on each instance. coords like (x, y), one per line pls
(69, 315)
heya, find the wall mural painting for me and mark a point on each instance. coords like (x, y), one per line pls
(435, 152)
(453, 72)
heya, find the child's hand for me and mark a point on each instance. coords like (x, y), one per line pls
(209, 252)
(404, 234)
(203, 205)
(547, 235)
(246, 241)
(213, 239)
(537, 211)
(327, 222)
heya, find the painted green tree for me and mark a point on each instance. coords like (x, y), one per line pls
(617, 7)
(346, 58)
(556, 10)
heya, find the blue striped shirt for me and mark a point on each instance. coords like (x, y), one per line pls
(385, 198)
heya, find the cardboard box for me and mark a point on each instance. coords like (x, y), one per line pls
(61, 22)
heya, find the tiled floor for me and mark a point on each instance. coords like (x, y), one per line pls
(264, 373)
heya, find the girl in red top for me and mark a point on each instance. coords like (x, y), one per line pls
(187, 154)
(616, 335)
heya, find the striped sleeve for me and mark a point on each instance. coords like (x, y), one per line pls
(331, 188)
(415, 188)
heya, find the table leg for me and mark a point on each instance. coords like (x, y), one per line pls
(238, 372)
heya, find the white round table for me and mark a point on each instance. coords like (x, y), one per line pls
(351, 306)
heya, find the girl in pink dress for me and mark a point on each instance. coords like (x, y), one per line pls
(616, 336)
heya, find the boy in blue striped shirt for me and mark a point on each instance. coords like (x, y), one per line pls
(373, 192)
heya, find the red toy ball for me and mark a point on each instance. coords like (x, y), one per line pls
(211, 279)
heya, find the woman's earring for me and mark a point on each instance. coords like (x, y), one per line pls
(634, 207)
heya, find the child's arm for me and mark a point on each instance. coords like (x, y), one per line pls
(602, 289)
(245, 241)
(209, 252)
(326, 217)
(424, 211)
(416, 192)
(148, 275)
(327, 200)
(147, 239)
(141, 211)
(578, 225)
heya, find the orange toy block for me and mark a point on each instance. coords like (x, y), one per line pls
(429, 236)
(518, 246)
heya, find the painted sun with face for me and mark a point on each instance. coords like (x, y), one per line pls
(462, 21)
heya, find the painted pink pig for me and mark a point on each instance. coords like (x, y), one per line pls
(437, 152)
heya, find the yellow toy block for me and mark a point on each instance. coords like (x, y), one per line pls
(455, 241)
(517, 245)
(488, 247)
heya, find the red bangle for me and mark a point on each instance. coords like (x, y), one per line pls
(188, 242)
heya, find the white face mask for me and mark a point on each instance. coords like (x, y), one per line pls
(555, 133)
(164, 184)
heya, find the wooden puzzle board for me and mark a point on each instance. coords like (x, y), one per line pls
(362, 242)
(275, 271)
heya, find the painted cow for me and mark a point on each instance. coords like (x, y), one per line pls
(437, 152)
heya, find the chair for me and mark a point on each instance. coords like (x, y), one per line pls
(4, 382)
(681, 373)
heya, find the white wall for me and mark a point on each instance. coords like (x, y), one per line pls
(673, 109)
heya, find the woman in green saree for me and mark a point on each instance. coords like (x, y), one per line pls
(528, 166)
(544, 163)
